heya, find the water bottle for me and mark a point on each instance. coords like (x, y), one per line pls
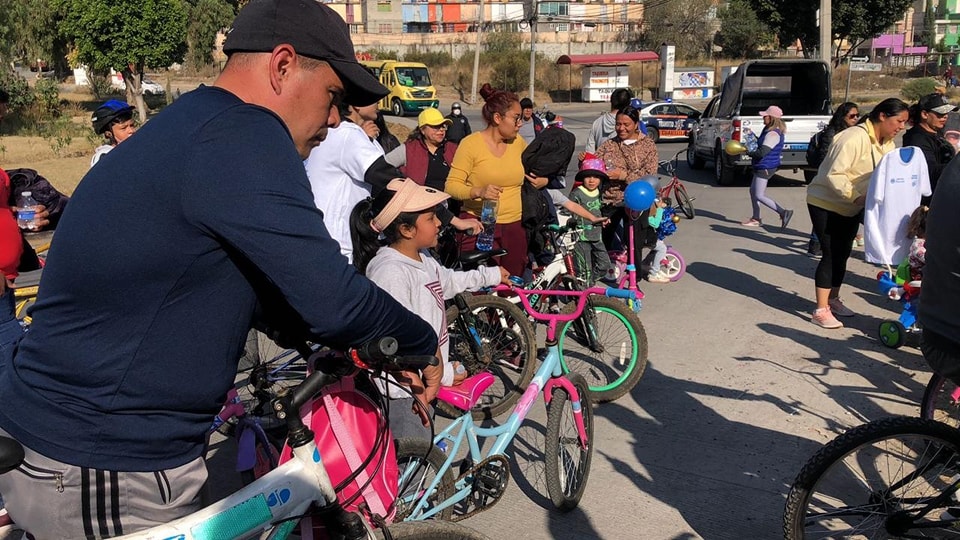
(488, 218)
(26, 211)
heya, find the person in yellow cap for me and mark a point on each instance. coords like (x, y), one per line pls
(426, 155)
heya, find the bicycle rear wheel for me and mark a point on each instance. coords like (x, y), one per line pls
(683, 201)
(567, 460)
(606, 345)
(941, 401)
(510, 352)
(431, 530)
(886, 479)
(419, 461)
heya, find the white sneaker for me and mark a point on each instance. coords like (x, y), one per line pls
(658, 277)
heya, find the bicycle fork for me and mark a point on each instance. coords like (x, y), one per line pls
(575, 402)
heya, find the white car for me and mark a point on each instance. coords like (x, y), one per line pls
(150, 87)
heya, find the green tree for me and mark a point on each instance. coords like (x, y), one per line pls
(859, 20)
(128, 36)
(741, 32)
(678, 22)
(25, 32)
(853, 20)
(206, 18)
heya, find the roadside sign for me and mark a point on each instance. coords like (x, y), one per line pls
(866, 67)
(859, 59)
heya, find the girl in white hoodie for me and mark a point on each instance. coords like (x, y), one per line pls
(391, 235)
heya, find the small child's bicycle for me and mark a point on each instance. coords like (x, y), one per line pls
(675, 188)
(894, 333)
(482, 477)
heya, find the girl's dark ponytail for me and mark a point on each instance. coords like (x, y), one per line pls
(365, 240)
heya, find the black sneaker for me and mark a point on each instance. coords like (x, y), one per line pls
(813, 249)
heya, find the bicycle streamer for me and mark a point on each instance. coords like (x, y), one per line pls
(354, 441)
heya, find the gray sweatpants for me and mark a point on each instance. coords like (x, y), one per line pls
(594, 259)
(52, 500)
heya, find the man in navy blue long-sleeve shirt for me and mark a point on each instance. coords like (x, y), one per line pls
(150, 285)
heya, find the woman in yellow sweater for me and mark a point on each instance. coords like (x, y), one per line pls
(487, 166)
(836, 199)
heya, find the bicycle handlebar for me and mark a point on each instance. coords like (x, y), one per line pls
(621, 293)
(562, 317)
(378, 353)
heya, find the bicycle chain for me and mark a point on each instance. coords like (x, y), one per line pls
(485, 501)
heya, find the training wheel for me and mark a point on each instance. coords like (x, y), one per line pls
(673, 265)
(892, 334)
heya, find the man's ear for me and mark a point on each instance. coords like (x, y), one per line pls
(283, 62)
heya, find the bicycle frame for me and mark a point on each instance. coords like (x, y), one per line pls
(277, 500)
(547, 377)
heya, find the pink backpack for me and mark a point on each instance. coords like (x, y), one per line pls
(345, 423)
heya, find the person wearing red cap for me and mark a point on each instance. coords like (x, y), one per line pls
(132, 350)
(766, 161)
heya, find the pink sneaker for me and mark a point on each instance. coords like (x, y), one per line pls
(823, 318)
(840, 310)
(751, 223)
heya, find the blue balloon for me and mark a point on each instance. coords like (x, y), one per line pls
(639, 196)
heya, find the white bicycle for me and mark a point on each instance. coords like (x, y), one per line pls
(271, 507)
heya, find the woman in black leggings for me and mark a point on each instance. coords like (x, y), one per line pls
(836, 197)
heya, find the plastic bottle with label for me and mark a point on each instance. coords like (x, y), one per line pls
(488, 218)
(27, 211)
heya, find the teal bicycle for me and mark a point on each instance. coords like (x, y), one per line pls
(429, 488)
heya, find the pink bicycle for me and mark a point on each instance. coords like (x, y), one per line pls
(625, 264)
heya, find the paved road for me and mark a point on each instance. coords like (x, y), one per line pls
(741, 388)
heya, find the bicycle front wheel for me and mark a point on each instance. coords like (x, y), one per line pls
(684, 202)
(431, 530)
(509, 353)
(567, 459)
(266, 369)
(892, 478)
(941, 401)
(606, 345)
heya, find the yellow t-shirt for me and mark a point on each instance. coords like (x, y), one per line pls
(475, 166)
(845, 172)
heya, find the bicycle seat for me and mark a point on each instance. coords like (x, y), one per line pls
(11, 454)
(473, 259)
(465, 395)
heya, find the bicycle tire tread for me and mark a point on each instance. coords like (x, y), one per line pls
(838, 448)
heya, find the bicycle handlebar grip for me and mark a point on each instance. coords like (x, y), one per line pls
(620, 293)
(416, 362)
(378, 351)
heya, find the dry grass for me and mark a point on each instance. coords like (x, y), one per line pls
(64, 171)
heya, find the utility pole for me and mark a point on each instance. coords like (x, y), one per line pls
(476, 55)
(533, 47)
(826, 32)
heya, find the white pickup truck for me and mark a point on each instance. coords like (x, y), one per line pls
(800, 87)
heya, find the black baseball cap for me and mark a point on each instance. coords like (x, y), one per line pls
(526, 103)
(937, 103)
(314, 30)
